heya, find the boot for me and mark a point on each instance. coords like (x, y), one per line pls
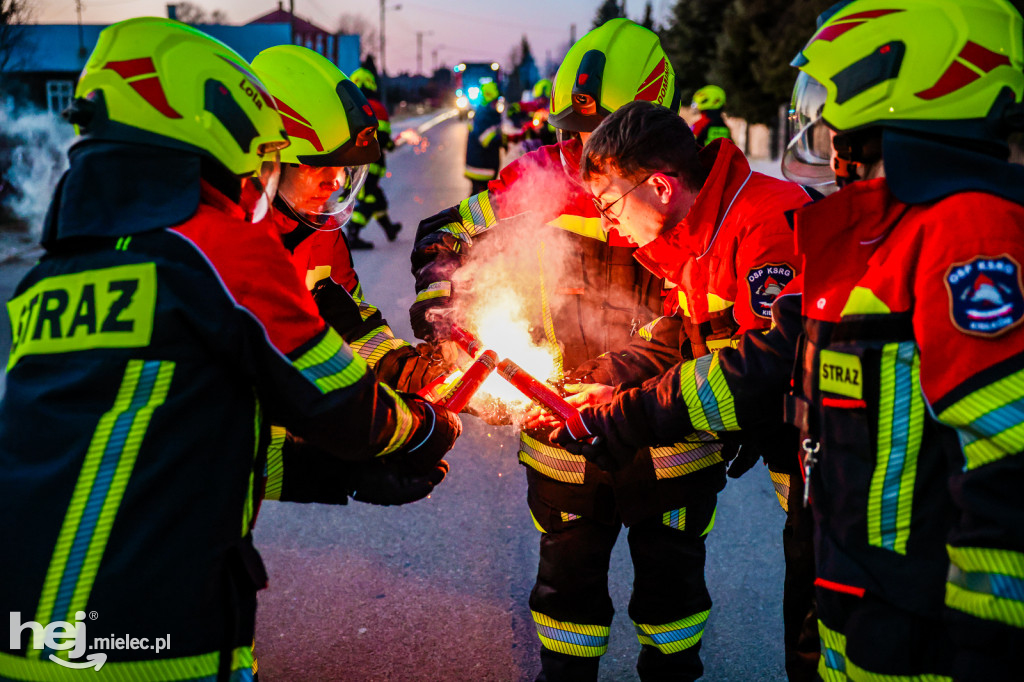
(390, 229)
(355, 243)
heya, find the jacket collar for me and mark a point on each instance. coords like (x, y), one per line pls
(695, 234)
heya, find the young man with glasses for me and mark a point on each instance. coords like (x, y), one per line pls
(708, 224)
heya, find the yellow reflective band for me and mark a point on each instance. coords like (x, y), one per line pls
(989, 421)
(275, 464)
(545, 307)
(834, 666)
(536, 523)
(718, 344)
(862, 301)
(575, 639)
(330, 364)
(987, 584)
(671, 638)
(674, 518)
(249, 510)
(553, 462)
(701, 450)
(317, 274)
(684, 306)
(585, 227)
(781, 483)
(403, 423)
(841, 373)
(475, 173)
(711, 523)
(378, 170)
(99, 490)
(706, 394)
(108, 308)
(185, 669)
(367, 310)
(717, 303)
(901, 415)
(378, 343)
(384, 126)
(434, 290)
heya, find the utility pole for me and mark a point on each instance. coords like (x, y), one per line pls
(81, 39)
(291, 20)
(419, 51)
(572, 34)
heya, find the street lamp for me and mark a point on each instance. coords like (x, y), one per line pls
(383, 58)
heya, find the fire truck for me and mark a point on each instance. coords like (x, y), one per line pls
(468, 76)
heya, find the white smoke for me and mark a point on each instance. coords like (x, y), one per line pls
(33, 155)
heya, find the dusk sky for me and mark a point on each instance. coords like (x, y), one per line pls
(460, 30)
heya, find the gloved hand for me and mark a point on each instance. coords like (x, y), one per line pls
(434, 436)
(604, 442)
(435, 296)
(378, 482)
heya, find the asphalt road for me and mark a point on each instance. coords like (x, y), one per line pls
(437, 590)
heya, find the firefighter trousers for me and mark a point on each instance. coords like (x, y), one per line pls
(669, 605)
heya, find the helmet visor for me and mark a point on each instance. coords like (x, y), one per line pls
(808, 157)
(570, 149)
(323, 196)
(257, 204)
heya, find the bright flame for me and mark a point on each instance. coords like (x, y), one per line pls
(501, 325)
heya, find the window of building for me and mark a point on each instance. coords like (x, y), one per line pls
(58, 95)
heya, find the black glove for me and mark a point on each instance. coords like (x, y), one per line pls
(409, 369)
(609, 448)
(378, 482)
(434, 436)
(434, 291)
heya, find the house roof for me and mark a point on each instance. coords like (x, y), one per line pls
(55, 47)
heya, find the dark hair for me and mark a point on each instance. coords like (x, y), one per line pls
(640, 138)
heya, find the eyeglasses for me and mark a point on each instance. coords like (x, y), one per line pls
(604, 210)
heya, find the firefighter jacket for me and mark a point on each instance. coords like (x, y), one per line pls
(324, 262)
(907, 387)
(710, 127)
(590, 294)
(377, 171)
(483, 146)
(729, 258)
(146, 364)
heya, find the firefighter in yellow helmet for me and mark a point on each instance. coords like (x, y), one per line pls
(486, 139)
(901, 356)
(709, 101)
(589, 303)
(372, 204)
(333, 143)
(153, 344)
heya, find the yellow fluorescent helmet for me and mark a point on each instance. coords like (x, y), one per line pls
(365, 79)
(160, 82)
(614, 64)
(542, 88)
(488, 91)
(327, 118)
(709, 97)
(925, 65)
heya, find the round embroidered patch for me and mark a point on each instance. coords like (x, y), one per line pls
(766, 282)
(986, 297)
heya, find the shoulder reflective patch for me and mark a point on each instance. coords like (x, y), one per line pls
(108, 308)
(986, 297)
(766, 282)
(841, 373)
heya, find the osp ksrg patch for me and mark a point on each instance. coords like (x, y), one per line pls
(766, 282)
(986, 297)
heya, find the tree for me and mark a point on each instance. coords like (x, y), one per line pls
(609, 9)
(358, 25)
(13, 14)
(758, 40)
(193, 14)
(690, 39)
(648, 21)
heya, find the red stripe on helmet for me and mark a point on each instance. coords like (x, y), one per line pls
(285, 109)
(651, 87)
(982, 57)
(955, 77)
(301, 131)
(830, 33)
(153, 92)
(129, 68)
